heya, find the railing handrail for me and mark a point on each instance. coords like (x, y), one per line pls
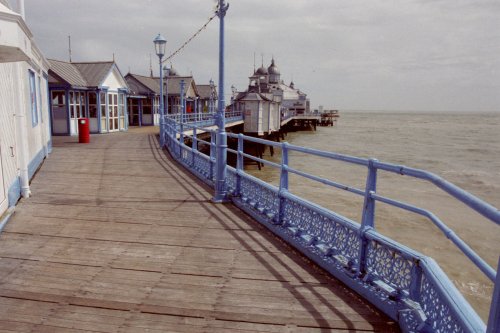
(369, 193)
(481, 207)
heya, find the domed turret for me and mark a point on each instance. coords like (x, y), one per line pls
(172, 72)
(261, 71)
(274, 73)
(273, 69)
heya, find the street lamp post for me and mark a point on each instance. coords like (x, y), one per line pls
(160, 44)
(221, 139)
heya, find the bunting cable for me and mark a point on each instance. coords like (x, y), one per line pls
(190, 39)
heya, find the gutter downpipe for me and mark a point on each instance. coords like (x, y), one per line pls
(22, 137)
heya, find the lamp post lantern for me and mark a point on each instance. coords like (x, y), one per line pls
(160, 43)
(221, 138)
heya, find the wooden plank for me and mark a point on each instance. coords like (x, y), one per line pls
(118, 238)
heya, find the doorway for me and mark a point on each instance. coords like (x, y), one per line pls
(113, 112)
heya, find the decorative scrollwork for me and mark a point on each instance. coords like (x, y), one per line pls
(439, 315)
(339, 238)
(389, 265)
(202, 165)
(231, 179)
(263, 197)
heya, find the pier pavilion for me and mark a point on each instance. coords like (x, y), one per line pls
(268, 100)
(94, 90)
(208, 94)
(143, 100)
(144, 96)
(191, 94)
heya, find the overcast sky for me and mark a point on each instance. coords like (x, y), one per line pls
(346, 54)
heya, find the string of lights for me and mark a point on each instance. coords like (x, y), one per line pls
(190, 39)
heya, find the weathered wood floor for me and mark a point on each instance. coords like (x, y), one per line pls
(118, 238)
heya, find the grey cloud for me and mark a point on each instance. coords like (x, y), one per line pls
(416, 54)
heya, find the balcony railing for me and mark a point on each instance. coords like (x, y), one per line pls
(406, 285)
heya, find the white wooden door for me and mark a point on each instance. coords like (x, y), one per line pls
(113, 112)
(76, 109)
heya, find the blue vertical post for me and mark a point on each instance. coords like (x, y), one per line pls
(213, 149)
(194, 146)
(494, 317)
(283, 183)
(183, 111)
(239, 164)
(368, 217)
(183, 106)
(211, 101)
(165, 107)
(221, 159)
(162, 120)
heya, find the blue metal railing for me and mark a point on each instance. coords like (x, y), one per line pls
(408, 286)
(203, 119)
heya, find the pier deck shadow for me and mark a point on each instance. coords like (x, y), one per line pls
(118, 238)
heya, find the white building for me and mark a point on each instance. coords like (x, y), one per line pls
(24, 114)
(267, 99)
(94, 90)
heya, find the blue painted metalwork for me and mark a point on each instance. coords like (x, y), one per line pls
(183, 113)
(408, 286)
(183, 101)
(6, 218)
(494, 317)
(14, 192)
(35, 163)
(221, 153)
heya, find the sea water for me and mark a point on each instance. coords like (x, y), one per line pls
(463, 148)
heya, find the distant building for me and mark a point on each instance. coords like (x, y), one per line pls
(143, 100)
(144, 97)
(25, 138)
(207, 93)
(268, 80)
(262, 112)
(191, 94)
(267, 99)
(94, 90)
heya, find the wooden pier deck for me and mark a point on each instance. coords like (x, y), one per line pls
(118, 238)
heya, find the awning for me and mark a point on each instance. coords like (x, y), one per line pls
(14, 41)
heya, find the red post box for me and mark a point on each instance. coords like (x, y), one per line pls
(83, 130)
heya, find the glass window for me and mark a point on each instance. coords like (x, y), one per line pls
(58, 98)
(92, 98)
(40, 94)
(33, 99)
(92, 104)
(103, 105)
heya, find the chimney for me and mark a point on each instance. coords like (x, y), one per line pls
(21, 8)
